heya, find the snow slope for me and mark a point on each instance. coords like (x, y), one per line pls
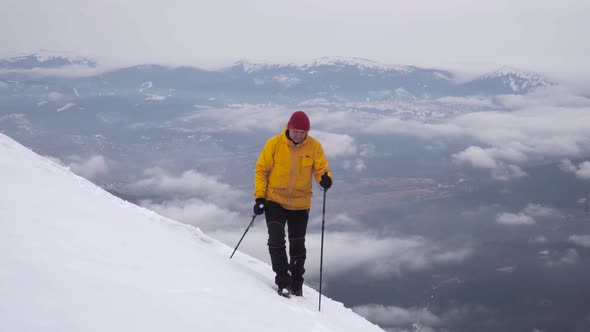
(75, 258)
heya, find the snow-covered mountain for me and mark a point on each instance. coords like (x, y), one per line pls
(361, 64)
(340, 76)
(75, 258)
(337, 62)
(353, 75)
(507, 80)
(332, 78)
(45, 59)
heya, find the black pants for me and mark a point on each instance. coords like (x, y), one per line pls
(287, 274)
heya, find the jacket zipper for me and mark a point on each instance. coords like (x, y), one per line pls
(292, 175)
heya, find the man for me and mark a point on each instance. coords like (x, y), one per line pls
(283, 191)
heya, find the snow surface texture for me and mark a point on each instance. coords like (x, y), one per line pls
(75, 258)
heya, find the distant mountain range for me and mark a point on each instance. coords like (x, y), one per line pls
(330, 78)
(45, 59)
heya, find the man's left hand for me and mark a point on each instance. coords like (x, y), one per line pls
(326, 181)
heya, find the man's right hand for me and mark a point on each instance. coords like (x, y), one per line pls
(259, 206)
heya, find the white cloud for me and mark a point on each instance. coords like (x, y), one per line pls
(269, 117)
(382, 257)
(538, 125)
(192, 198)
(487, 159)
(343, 219)
(89, 168)
(358, 165)
(392, 316)
(477, 157)
(414, 128)
(559, 95)
(567, 166)
(549, 130)
(53, 96)
(581, 240)
(154, 97)
(527, 216)
(372, 257)
(539, 239)
(189, 183)
(336, 145)
(245, 117)
(582, 170)
(507, 172)
(529, 127)
(196, 212)
(240, 118)
(367, 150)
(558, 259)
(512, 219)
(537, 210)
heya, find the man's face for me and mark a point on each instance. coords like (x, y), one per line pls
(297, 135)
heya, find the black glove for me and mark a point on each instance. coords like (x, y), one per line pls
(259, 206)
(326, 181)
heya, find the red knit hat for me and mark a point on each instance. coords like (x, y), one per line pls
(299, 120)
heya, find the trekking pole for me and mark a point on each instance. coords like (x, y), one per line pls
(322, 250)
(251, 222)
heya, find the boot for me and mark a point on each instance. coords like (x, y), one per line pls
(297, 292)
(284, 291)
(283, 282)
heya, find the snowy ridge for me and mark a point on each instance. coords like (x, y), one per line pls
(250, 67)
(507, 70)
(330, 76)
(361, 64)
(75, 258)
(358, 62)
(44, 55)
(517, 79)
(45, 59)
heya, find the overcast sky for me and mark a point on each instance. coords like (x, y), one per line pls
(533, 34)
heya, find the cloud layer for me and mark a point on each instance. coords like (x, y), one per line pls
(527, 216)
(505, 133)
(582, 170)
(90, 167)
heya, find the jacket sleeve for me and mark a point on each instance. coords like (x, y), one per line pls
(320, 164)
(263, 167)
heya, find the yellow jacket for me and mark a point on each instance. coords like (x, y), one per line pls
(284, 171)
